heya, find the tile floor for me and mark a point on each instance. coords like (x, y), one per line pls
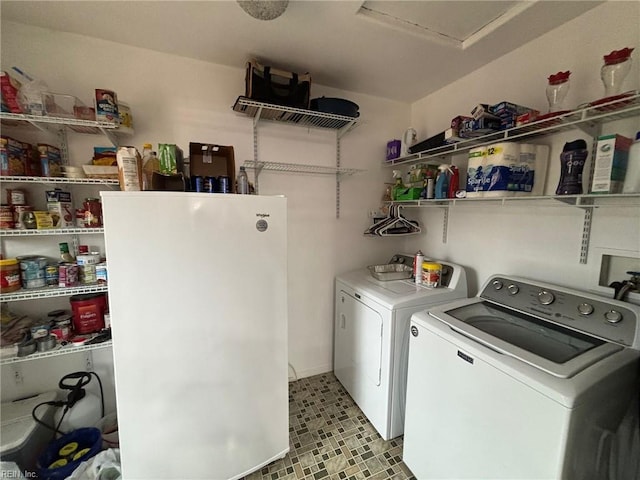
(331, 439)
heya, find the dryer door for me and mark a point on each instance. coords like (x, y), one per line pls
(358, 345)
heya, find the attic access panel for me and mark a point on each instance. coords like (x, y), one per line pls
(459, 24)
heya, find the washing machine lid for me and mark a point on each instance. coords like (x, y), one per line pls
(395, 294)
(552, 348)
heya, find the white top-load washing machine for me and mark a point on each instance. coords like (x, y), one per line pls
(525, 381)
(372, 337)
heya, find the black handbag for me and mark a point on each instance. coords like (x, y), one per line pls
(270, 85)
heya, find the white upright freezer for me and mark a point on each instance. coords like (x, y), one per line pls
(198, 303)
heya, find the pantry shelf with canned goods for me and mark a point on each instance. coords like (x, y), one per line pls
(50, 292)
(64, 180)
(6, 232)
(58, 350)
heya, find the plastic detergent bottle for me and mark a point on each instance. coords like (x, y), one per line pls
(572, 159)
(442, 182)
(632, 177)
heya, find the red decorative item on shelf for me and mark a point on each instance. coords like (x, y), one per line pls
(557, 90)
(617, 65)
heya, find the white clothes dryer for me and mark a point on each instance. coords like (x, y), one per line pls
(372, 337)
(527, 380)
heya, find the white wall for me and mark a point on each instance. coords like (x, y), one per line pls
(528, 240)
(178, 100)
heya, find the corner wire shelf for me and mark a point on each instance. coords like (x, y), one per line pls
(295, 116)
(585, 117)
(50, 292)
(66, 180)
(58, 350)
(299, 168)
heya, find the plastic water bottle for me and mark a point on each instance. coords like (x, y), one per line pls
(632, 177)
(242, 182)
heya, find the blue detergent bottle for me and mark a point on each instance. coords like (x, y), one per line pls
(442, 182)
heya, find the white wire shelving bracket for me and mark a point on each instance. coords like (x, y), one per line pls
(260, 111)
(586, 202)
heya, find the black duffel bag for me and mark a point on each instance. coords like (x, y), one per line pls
(270, 85)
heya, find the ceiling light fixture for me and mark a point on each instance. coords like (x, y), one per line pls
(264, 9)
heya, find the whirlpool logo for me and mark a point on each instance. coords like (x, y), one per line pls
(262, 215)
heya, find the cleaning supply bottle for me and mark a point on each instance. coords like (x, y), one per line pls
(454, 182)
(442, 182)
(398, 185)
(632, 177)
(572, 159)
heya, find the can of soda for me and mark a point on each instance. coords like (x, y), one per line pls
(197, 183)
(210, 184)
(224, 184)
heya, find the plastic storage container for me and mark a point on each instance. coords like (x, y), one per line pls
(22, 438)
(9, 275)
(88, 312)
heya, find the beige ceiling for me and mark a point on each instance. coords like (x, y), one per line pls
(401, 50)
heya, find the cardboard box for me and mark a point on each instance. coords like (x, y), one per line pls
(610, 165)
(11, 156)
(62, 214)
(50, 160)
(9, 88)
(208, 160)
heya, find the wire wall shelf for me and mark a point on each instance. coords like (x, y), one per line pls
(290, 115)
(585, 117)
(50, 292)
(299, 168)
(58, 350)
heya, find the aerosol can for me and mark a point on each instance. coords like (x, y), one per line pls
(417, 267)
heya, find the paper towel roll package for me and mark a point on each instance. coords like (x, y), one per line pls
(500, 159)
(528, 173)
(475, 172)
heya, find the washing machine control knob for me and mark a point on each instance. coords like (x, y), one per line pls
(497, 285)
(585, 309)
(613, 316)
(545, 297)
(513, 289)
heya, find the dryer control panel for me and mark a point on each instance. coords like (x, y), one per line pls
(608, 319)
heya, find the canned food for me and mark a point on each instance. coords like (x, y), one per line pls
(431, 274)
(224, 184)
(87, 273)
(67, 275)
(32, 271)
(51, 275)
(40, 329)
(210, 184)
(101, 273)
(197, 183)
(88, 259)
